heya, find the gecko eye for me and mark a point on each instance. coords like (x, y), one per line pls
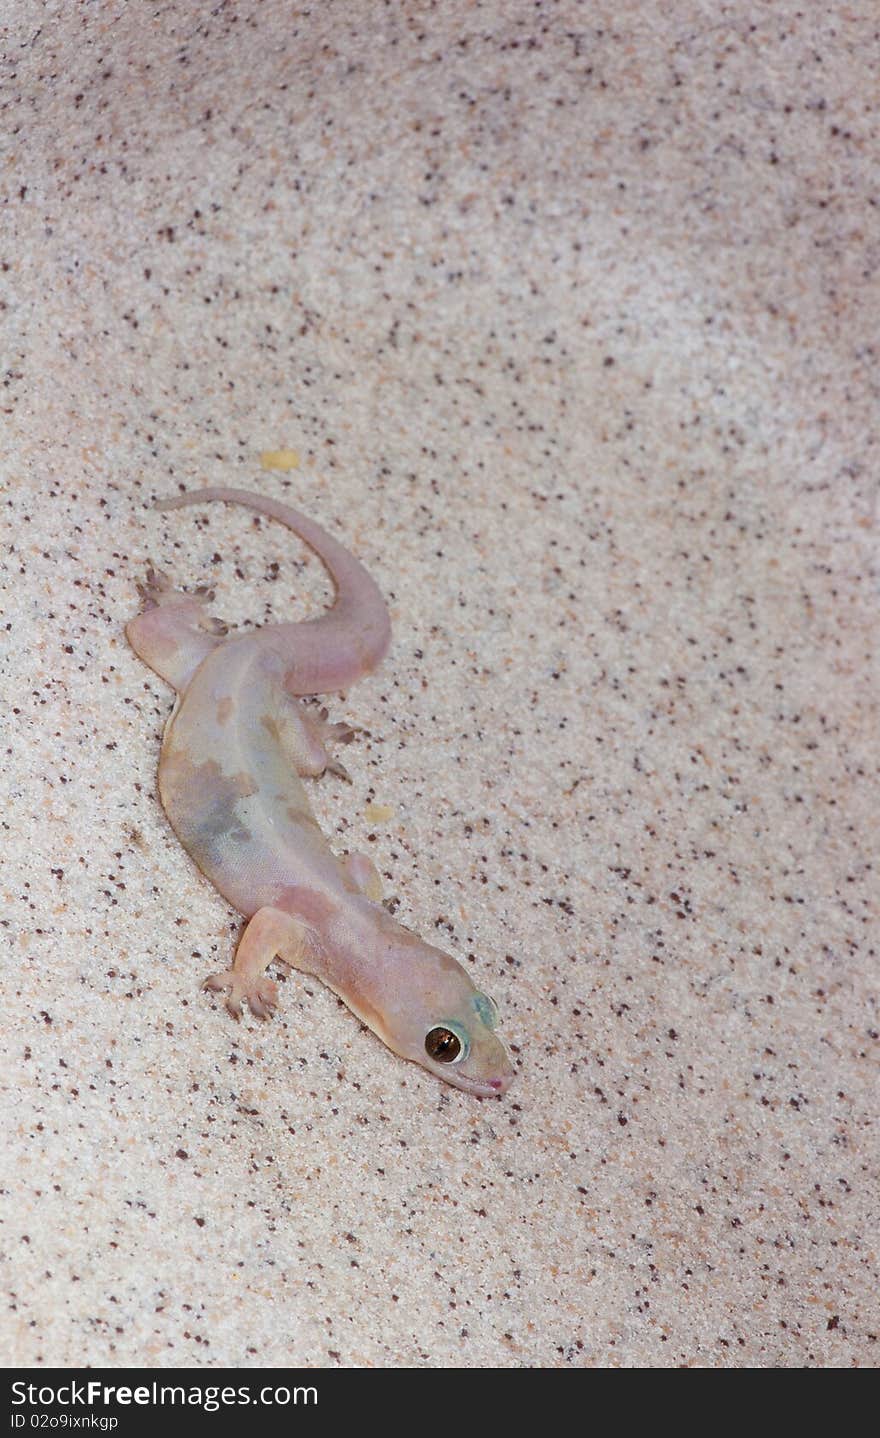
(444, 1046)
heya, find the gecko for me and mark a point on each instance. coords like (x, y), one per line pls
(236, 748)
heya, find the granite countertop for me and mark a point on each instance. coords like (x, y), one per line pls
(567, 318)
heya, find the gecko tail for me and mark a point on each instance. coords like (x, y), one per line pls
(358, 602)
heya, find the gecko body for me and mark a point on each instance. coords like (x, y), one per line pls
(235, 751)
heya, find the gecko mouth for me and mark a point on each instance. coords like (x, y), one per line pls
(484, 1088)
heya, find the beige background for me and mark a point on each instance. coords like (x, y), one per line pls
(571, 313)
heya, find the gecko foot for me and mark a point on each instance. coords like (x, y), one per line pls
(324, 733)
(157, 590)
(261, 994)
(341, 733)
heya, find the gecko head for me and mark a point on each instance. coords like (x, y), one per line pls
(421, 1003)
(459, 1044)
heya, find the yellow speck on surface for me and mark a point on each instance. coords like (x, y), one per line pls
(378, 813)
(284, 459)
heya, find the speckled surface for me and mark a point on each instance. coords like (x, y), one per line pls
(571, 313)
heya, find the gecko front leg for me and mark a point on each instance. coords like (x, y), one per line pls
(270, 934)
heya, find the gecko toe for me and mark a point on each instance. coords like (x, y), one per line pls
(212, 625)
(157, 588)
(327, 734)
(262, 998)
(261, 995)
(340, 733)
(226, 983)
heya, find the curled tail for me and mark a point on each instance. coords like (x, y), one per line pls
(359, 611)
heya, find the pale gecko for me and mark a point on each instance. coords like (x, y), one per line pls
(235, 750)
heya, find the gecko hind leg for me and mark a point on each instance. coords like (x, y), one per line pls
(157, 592)
(306, 734)
(173, 633)
(324, 733)
(270, 934)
